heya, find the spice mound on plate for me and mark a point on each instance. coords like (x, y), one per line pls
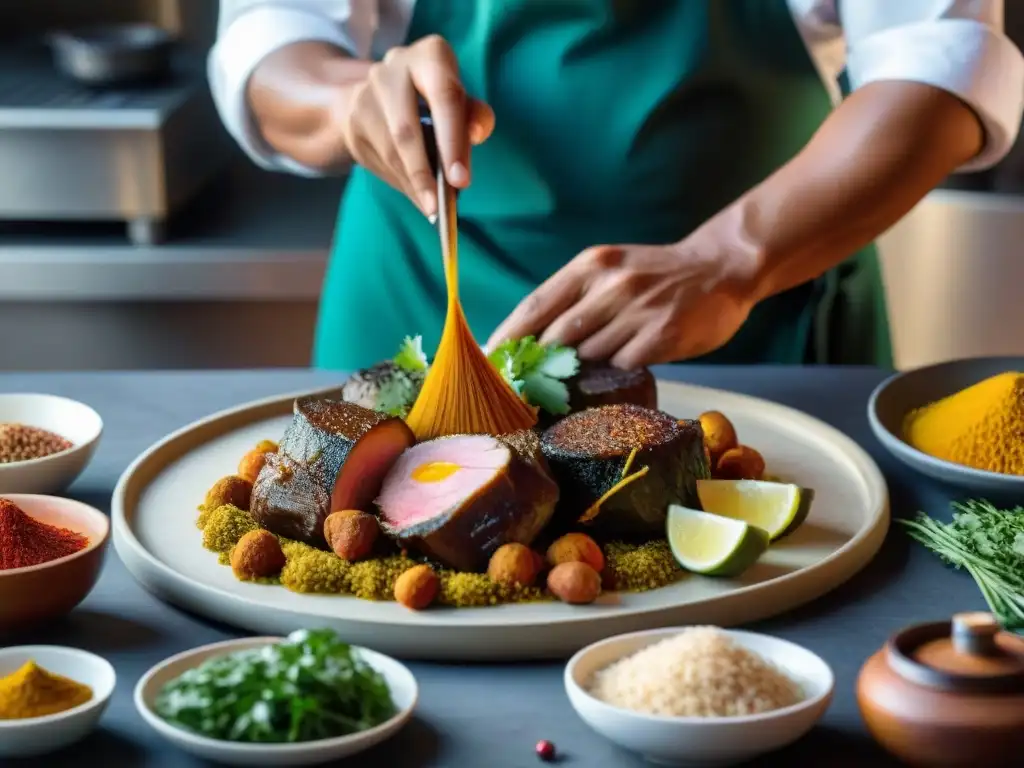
(19, 442)
(24, 541)
(31, 691)
(701, 672)
(980, 427)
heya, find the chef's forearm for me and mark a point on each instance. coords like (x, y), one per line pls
(298, 96)
(876, 156)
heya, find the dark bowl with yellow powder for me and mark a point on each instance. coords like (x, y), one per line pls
(959, 422)
(50, 698)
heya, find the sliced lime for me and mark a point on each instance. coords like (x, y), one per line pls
(713, 545)
(779, 508)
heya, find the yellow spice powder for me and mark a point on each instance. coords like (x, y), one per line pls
(980, 427)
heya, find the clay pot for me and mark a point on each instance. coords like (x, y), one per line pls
(947, 694)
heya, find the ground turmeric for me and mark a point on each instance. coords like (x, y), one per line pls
(980, 427)
(33, 692)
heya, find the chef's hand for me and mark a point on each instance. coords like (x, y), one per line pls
(381, 128)
(637, 305)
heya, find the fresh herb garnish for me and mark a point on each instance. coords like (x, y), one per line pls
(398, 391)
(986, 542)
(537, 371)
(310, 686)
(410, 357)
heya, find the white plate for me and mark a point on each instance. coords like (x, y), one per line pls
(154, 511)
(404, 693)
(74, 421)
(41, 735)
(702, 741)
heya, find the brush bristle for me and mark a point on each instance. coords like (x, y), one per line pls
(464, 394)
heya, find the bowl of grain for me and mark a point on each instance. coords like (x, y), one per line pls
(699, 695)
(45, 442)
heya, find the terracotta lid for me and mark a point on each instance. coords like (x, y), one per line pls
(970, 654)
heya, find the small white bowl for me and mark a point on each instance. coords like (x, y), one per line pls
(698, 741)
(70, 419)
(41, 735)
(400, 680)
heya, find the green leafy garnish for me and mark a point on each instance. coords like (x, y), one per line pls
(397, 391)
(537, 371)
(986, 542)
(410, 357)
(310, 686)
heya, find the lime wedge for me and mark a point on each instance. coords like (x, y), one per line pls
(778, 508)
(713, 545)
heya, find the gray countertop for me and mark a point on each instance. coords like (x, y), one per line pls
(485, 716)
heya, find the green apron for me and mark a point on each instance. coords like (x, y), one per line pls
(618, 121)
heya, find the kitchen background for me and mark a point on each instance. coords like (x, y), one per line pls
(133, 234)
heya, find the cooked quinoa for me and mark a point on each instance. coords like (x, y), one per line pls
(701, 672)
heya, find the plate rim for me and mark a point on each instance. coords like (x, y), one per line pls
(853, 555)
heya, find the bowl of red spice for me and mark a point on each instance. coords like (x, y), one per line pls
(51, 552)
(45, 442)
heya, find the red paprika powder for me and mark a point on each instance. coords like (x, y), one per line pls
(25, 541)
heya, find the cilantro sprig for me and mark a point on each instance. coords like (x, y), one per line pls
(310, 686)
(988, 543)
(537, 371)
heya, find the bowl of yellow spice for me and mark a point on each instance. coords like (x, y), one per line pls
(960, 422)
(50, 697)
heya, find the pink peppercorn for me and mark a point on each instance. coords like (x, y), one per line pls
(545, 750)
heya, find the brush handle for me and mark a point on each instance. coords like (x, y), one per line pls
(429, 137)
(447, 203)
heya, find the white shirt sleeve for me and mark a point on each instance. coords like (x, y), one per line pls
(956, 45)
(249, 30)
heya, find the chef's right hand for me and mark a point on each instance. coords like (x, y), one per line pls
(382, 130)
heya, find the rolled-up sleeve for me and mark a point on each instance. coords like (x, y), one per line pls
(956, 45)
(250, 30)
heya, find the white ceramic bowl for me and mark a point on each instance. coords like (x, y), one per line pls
(41, 735)
(695, 741)
(400, 680)
(70, 419)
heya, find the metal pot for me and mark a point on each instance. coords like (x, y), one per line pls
(119, 54)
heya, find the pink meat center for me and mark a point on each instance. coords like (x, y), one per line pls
(439, 475)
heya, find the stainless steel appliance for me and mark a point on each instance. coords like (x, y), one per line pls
(69, 152)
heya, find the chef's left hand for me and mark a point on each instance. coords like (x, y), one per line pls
(636, 305)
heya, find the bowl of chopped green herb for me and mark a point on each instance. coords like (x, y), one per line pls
(269, 701)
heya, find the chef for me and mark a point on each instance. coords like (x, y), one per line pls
(647, 180)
